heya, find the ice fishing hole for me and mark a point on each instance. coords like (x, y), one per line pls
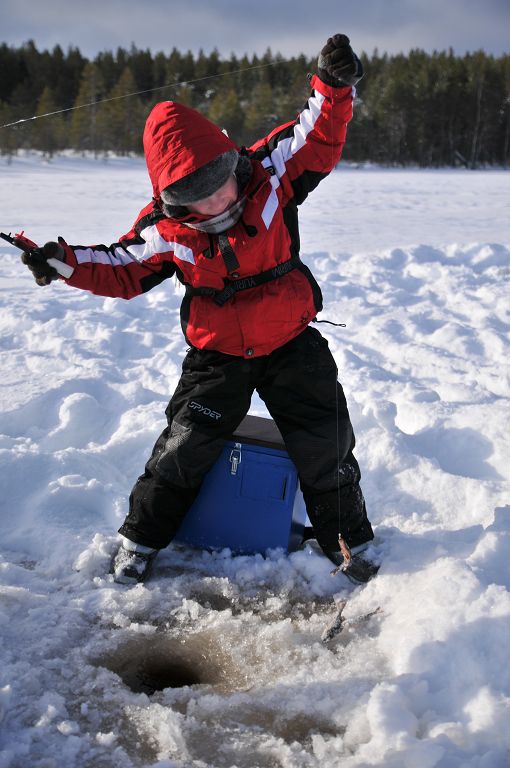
(154, 674)
(150, 664)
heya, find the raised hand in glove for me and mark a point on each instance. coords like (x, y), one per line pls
(338, 65)
(37, 262)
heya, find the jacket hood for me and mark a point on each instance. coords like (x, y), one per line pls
(177, 141)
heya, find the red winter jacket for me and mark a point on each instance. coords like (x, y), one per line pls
(286, 166)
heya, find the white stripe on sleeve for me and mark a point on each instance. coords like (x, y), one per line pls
(271, 204)
(157, 244)
(288, 147)
(115, 258)
(119, 256)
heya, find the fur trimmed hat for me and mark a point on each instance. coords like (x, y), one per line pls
(203, 182)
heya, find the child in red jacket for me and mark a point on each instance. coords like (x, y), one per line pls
(224, 220)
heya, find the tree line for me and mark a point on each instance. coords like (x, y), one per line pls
(420, 109)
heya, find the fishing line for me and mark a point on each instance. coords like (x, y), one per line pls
(337, 406)
(338, 498)
(147, 90)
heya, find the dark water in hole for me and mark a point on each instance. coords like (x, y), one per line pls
(150, 664)
(155, 673)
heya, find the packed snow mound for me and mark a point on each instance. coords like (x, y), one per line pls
(217, 661)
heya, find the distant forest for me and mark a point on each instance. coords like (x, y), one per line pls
(419, 109)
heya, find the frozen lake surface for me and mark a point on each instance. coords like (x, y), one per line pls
(417, 265)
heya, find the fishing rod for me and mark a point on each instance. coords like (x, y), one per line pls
(35, 253)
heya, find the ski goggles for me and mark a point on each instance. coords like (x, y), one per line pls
(205, 223)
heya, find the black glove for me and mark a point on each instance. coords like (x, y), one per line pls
(338, 64)
(36, 261)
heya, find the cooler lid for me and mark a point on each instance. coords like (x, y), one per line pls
(258, 430)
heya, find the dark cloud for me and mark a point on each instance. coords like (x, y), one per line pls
(238, 27)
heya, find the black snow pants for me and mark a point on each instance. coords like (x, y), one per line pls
(298, 383)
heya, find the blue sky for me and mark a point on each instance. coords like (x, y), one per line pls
(241, 26)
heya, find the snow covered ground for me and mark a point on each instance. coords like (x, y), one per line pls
(417, 264)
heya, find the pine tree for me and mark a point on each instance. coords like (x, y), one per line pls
(13, 71)
(66, 75)
(48, 133)
(83, 128)
(120, 120)
(142, 67)
(504, 111)
(225, 110)
(260, 113)
(8, 137)
(160, 70)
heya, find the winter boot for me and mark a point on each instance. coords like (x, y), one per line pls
(132, 562)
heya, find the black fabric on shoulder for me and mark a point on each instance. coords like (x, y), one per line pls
(149, 219)
(243, 172)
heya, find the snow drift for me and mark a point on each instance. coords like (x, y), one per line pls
(217, 661)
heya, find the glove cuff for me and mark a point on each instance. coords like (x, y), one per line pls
(327, 79)
(53, 250)
(336, 82)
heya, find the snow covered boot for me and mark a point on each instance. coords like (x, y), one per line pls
(350, 562)
(132, 562)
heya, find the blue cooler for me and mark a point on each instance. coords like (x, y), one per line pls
(250, 500)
